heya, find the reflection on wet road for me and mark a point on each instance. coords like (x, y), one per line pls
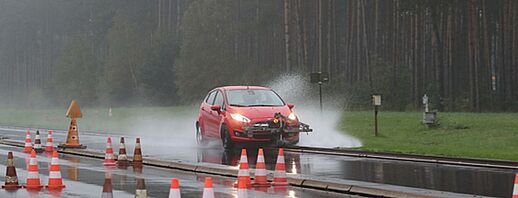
(85, 177)
(470, 180)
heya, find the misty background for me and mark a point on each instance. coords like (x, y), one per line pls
(171, 52)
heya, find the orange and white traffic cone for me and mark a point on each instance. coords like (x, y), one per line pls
(515, 189)
(11, 180)
(140, 191)
(48, 146)
(174, 192)
(108, 157)
(137, 155)
(260, 177)
(242, 191)
(122, 158)
(55, 180)
(107, 186)
(37, 142)
(208, 191)
(28, 142)
(243, 174)
(279, 176)
(33, 176)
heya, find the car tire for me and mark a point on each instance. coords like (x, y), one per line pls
(199, 135)
(227, 142)
(294, 143)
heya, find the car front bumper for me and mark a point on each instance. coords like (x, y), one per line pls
(289, 134)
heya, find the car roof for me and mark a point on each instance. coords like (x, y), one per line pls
(242, 87)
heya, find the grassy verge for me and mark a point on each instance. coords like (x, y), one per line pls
(94, 119)
(479, 135)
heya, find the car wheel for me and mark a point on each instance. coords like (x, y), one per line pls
(199, 135)
(228, 144)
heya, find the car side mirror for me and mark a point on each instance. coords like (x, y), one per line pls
(291, 106)
(216, 108)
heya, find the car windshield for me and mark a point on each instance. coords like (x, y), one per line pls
(253, 97)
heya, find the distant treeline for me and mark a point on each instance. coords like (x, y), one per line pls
(462, 53)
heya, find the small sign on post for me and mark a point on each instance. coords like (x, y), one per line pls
(376, 101)
(319, 78)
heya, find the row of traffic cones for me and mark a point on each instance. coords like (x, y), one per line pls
(260, 179)
(37, 143)
(122, 158)
(33, 180)
(242, 184)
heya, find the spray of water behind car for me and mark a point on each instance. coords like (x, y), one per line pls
(296, 89)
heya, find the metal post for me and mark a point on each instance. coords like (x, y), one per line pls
(376, 120)
(320, 93)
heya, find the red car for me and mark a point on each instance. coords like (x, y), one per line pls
(247, 114)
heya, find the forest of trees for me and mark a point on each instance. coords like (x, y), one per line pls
(462, 53)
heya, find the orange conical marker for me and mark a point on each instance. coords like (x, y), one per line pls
(108, 157)
(243, 174)
(48, 146)
(37, 142)
(260, 177)
(122, 158)
(107, 186)
(73, 113)
(242, 191)
(11, 180)
(140, 191)
(55, 180)
(515, 189)
(28, 142)
(279, 176)
(33, 176)
(174, 192)
(137, 155)
(208, 191)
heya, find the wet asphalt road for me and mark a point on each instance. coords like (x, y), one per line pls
(469, 180)
(84, 177)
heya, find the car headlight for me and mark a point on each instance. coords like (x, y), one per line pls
(292, 116)
(239, 117)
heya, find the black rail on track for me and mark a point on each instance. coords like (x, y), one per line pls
(460, 161)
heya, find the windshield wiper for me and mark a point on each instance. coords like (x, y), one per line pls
(263, 105)
(238, 105)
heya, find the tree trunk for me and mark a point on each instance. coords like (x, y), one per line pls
(287, 35)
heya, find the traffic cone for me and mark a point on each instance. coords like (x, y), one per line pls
(279, 176)
(174, 192)
(242, 188)
(107, 186)
(37, 142)
(140, 191)
(515, 189)
(122, 158)
(260, 177)
(11, 180)
(28, 143)
(48, 146)
(108, 157)
(33, 176)
(208, 191)
(243, 174)
(55, 180)
(137, 155)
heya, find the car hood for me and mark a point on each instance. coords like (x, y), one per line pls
(261, 112)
